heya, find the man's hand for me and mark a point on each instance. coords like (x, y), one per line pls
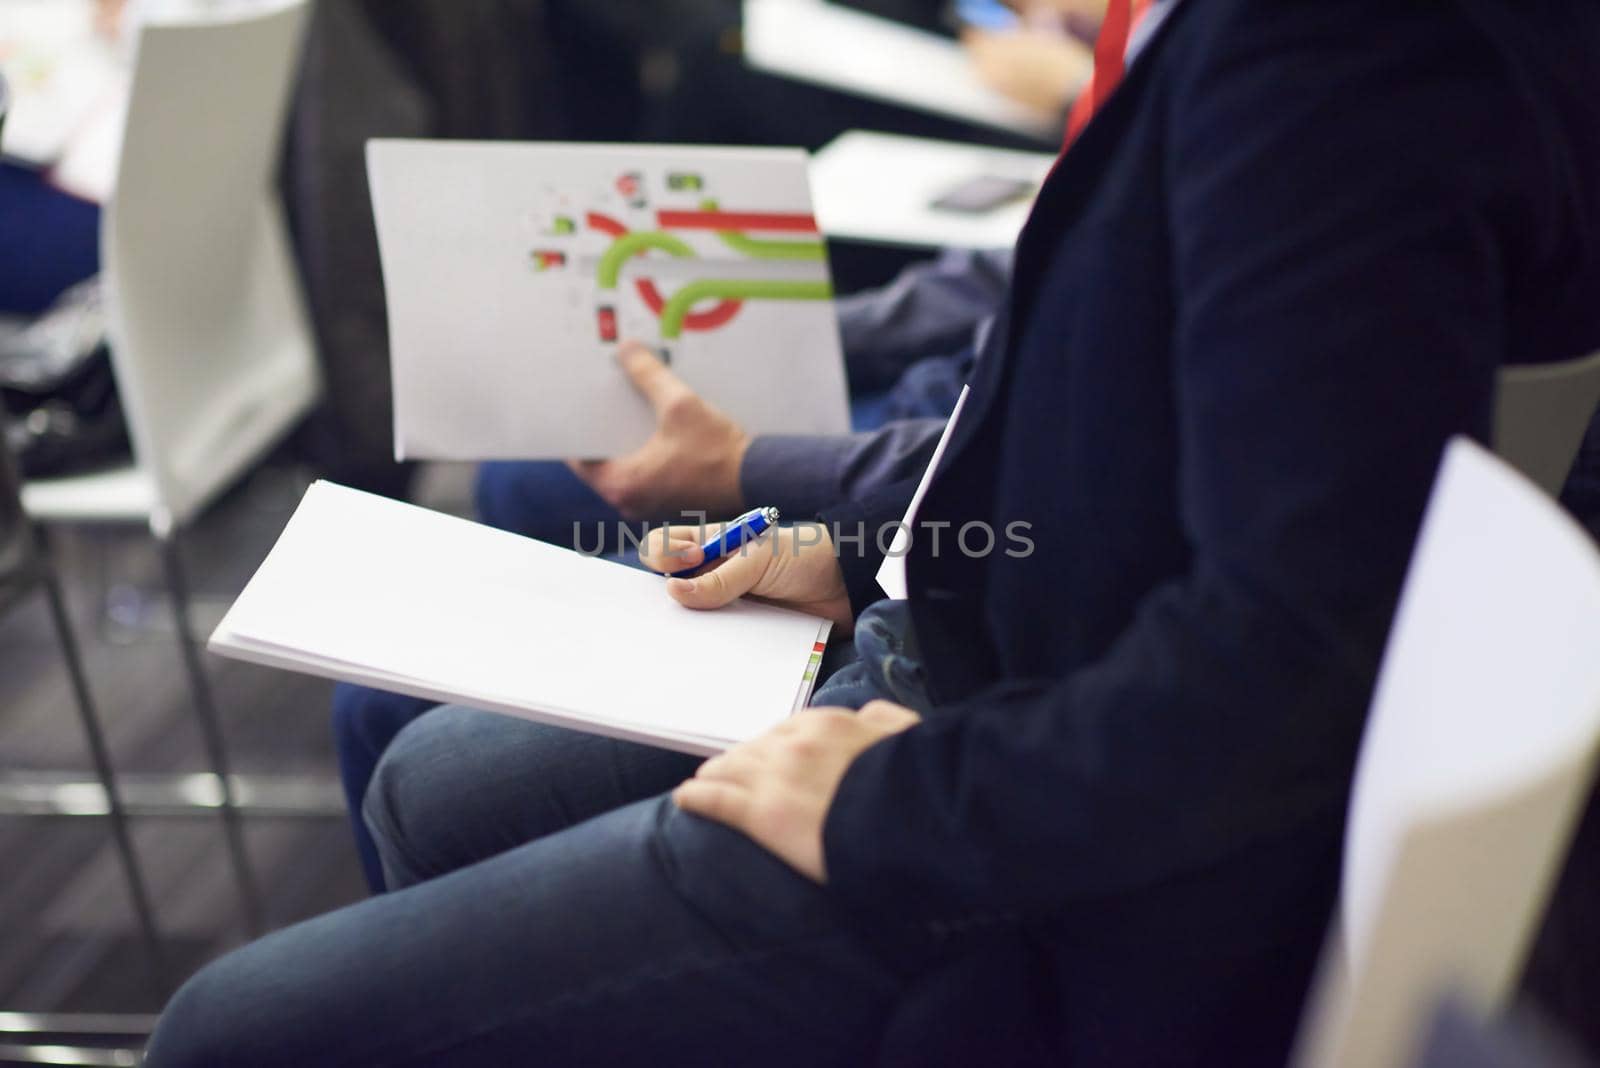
(777, 788)
(1095, 9)
(1039, 68)
(108, 17)
(692, 461)
(792, 566)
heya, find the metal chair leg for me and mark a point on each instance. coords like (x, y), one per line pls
(211, 733)
(100, 753)
(92, 1041)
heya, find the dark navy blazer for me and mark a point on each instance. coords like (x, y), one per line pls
(1274, 275)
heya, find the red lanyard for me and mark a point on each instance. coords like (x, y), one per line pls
(1110, 61)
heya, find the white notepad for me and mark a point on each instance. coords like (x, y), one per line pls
(514, 271)
(369, 590)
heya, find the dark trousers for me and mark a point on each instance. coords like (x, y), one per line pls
(644, 936)
(52, 242)
(551, 906)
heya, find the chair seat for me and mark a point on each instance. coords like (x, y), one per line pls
(119, 494)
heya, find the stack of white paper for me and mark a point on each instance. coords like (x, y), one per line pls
(374, 591)
(514, 271)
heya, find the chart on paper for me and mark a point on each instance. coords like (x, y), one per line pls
(711, 264)
(514, 273)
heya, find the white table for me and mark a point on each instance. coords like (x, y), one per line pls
(880, 188)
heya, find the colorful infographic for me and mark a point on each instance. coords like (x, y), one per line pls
(514, 273)
(725, 260)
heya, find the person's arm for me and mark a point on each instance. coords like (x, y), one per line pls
(803, 475)
(933, 307)
(1042, 69)
(698, 459)
(1342, 258)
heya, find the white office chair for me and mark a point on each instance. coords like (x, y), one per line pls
(1541, 414)
(211, 343)
(1474, 766)
(29, 1038)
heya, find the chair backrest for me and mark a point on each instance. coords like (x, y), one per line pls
(1475, 761)
(1541, 414)
(210, 340)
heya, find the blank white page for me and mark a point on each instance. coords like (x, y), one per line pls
(368, 589)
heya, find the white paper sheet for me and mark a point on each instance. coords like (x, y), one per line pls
(880, 187)
(510, 282)
(371, 590)
(892, 572)
(1478, 751)
(854, 52)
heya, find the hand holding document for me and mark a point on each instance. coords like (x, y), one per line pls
(370, 590)
(514, 272)
(832, 46)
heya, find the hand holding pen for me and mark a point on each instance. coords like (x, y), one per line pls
(733, 537)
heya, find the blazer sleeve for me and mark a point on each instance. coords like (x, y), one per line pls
(804, 474)
(936, 306)
(862, 529)
(1340, 205)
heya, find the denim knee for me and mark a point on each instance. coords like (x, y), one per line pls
(461, 785)
(415, 806)
(391, 795)
(206, 1022)
(495, 495)
(365, 720)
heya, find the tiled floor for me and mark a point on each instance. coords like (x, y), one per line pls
(68, 939)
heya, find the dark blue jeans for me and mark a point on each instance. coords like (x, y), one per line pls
(552, 907)
(538, 500)
(642, 937)
(881, 662)
(52, 242)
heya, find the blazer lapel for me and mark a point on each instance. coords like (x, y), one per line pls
(1072, 184)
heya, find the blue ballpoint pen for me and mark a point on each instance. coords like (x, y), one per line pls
(747, 527)
(987, 15)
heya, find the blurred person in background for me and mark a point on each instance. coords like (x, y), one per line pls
(52, 238)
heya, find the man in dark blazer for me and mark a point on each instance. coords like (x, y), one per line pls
(1099, 822)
